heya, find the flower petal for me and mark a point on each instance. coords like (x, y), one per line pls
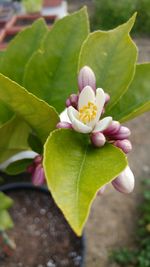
(81, 127)
(64, 116)
(76, 124)
(100, 102)
(86, 95)
(102, 124)
(72, 113)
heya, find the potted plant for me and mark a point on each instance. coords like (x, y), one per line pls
(82, 150)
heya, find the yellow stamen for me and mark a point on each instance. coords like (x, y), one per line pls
(88, 113)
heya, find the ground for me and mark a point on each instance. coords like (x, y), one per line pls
(113, 217)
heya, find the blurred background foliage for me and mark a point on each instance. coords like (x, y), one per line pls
(110, 13)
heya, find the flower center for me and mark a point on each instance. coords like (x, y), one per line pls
(88, 113)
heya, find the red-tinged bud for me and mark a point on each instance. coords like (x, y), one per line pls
(64, 125)
(107, 98)
(38, 159)
(38, 177)
(124, 183)
(112, 129)
(31, 169)
(98, 139)
(68, 103)
(86, 77)
(125, 145)
(123, 133)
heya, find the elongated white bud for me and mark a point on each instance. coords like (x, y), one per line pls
(112, 129)
(86, 77)
(125, 145)
(124, 183)
(98, 139)
(123, 133)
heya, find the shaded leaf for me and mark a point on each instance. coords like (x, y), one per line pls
(13, 138)
(112, 55)
(35, 143)
(137, 98)
(51, 72)
(75, 171)
(5, 113)
(38, 114)
(18, 166)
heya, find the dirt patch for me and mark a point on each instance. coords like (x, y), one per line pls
(42, 236)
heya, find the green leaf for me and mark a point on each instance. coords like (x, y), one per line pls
(112, 56)
(137, 99)
(75, 171)
(21, 49)
(13, 138)
(5, 220)
(51, 72)
(35, 143)
(5, 201)
(18, 166)
(38, 114)
(5, 113)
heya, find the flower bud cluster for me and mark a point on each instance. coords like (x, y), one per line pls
(37, 171)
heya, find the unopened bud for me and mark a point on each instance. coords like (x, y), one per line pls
(86, 77)
(68, 103)
(38, 159)
(124, 183)
(98, 139)
(38, 177)
(123, 133)
(112, 129)
(107, 98)
(72, 101)
(101, 190)
(125, 145)
(64, 125)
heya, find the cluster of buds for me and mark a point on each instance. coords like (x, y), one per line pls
(84, 111)
(37, 171)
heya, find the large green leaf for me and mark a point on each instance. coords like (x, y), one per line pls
(75, 171)
(38, 114)
(20, 49)
(13, 138)
(112, 55)
(137, 99)
(51, 72)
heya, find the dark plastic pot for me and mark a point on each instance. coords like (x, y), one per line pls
(17, 186)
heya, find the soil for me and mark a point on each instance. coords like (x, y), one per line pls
(42, 236)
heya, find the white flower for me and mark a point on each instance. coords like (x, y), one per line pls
(90, 107)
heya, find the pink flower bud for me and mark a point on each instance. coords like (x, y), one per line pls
(125, 145)
(64, 125)
(124, 183)
(68, 103)
(107, 98)
(98, 139)
(38, 177)
(86, 77)
(123, 133)
(112, 129)
(102, 190)
(38, 159)
(74, 100)
(31, 169)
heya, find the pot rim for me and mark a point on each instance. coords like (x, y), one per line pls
(16, 186)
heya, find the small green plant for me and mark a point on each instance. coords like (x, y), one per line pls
(140, 257)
